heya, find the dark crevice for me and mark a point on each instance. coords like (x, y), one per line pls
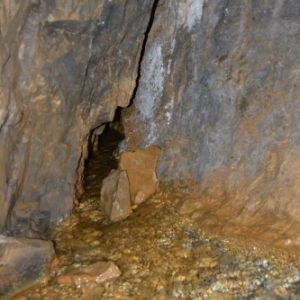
(100, 162)
(151, 20)
(118, 112)
(115, 125)
(101, 145)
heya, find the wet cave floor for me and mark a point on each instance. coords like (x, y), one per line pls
(160, 253)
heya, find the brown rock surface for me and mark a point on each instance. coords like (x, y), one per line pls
(141, 169)
(115, 196)
(65, 67)
(95, 273)
(219, 93)
(23, 261)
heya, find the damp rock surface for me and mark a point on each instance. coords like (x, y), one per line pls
(85, 275)
(164, 255)
(219, 93)
(164, 252)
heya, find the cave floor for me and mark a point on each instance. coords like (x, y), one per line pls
(164, 255)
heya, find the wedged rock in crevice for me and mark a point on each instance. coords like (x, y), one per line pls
(23, 261)
(140, 166)
(132, 184)
(65, 67)
(115, 199)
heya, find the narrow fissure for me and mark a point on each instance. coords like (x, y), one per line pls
(151, 20)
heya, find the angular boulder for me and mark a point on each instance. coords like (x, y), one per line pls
(115, 196)
(141, 166)
(23, 261)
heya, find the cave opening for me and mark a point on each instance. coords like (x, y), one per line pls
(226, 233)
(102, 156)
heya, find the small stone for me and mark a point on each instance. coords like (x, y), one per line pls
(140, 166)
(189, 206)
(208, 262)
(115, 196)
(95, 243)
(182, 252)
(92, 291)
(95, 273)
(281, 291)
(224, 285)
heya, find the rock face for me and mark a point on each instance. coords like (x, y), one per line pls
(140, 166)
(22, 261)
(219, 93)
(115, 196)
(65, 67)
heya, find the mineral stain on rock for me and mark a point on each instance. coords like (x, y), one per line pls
(161, 251)
(214, 84)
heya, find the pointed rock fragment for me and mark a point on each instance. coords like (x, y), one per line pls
(115, 196)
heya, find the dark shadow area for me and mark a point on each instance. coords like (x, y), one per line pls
(101, 160)
(117, 118)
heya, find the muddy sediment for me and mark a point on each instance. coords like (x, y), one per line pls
(163, 254)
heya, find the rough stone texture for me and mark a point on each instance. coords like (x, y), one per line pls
(23, 261)
(115, 196)
(96, 273)
(65, 67)
(219, 93)
(141, 169)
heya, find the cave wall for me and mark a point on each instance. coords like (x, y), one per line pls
(219, 93)
(65, 67)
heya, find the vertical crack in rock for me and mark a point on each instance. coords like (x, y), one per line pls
(151, 20)
(118, 90)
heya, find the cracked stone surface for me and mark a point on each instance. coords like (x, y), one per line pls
(219, 94)
(65, 67)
